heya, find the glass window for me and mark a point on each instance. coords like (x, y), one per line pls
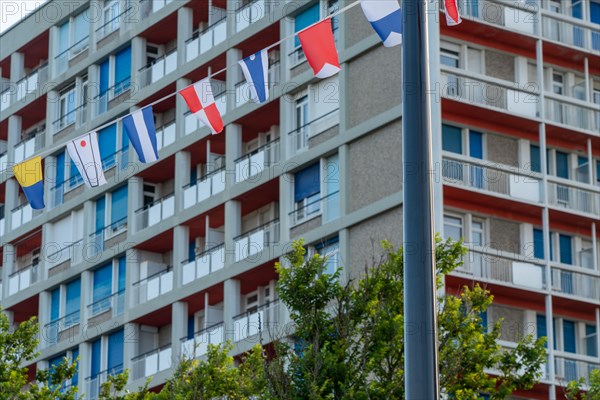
(557, 83)
(591, 345)
(115, 352)
(55, 304)
(477, 232)
(305, 19)
(476, 144)
(538, 243)
(118, 208)
(307, 189)
(107, 141)
(453, 227)
(449, 58)
(122, 70)
(562, 165)
(566, 249)
(452, 138)
(102, 282)
(73, 297)
(569, 338)
(96, 357)
(534, 155)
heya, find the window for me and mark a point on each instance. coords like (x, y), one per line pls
(538, 243)
(569, 338)
(307, 190)
(105, 286)
(112, 363)
(330, 250)
(66, 108)
(102, 284)
(71, 355)
(115, 352)
(301, 21)
(115, 215)
(115, 76)
(302, 120)
(452, 139)
(591, 345)
(332, 7)
(534, 156)
(450, 58)
(453, 227)
(107, 142)
(566, 249)
(72, 39)
(558, 86)
(64, 303)
(562, 165)
(110, 17)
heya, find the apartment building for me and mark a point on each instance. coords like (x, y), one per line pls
(168, 257)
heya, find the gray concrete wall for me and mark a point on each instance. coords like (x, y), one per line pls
(505, 235)
(513, 324)
(500, 65)
(357, 26)
(502, 149)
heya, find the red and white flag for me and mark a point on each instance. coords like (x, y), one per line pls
(318, 45)
(452, 14)
(200, 100)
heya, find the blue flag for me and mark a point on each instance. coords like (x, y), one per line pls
(142, 134)
(385, 17)
(256, 72)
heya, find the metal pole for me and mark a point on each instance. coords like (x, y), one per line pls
(420, 335)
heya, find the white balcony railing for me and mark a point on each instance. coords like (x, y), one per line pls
(32, 83)
(204, 40)
(165, 135)
(574, 196)
(301, 135)
(153, 286)
(573, 113)
(112, 25)
(204, 264)
(490, 177)
(265, 318)
(572, 283)
(250, 13)
(115, 303)
(155, 212)
(204, 188)
(198, 345)
(570, 31)
(192, 123)
(22, 279)
(158, 68)
(257, 161)
(571, 369)
(28, 147)
(256, 240)
(152, 362)
(149, 7)
(514, 15)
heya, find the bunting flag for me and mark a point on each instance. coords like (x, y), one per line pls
(29, 175)
(318, 45)
(256, 72)
(141, 132)
(201, 103)
(84, 152)
(452, 14)
(385, 17)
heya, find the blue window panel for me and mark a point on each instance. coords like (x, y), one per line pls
(305, 19)
(476, 144)
(566, 255)
(63, 38)
(96, 356)
(104, 77)
(115, 352)
(591, 344)
(595, 18)
(193, 175)
(73, 297)
(538, 243)
(60, 169)
(307, 182)
(75, 378)
(122, 70)
(124, 141)
(54, 304)
(569, 336)
(81, 29)
(562, 165)
(534, 155)
(190, 327)
(122, 273)
(452, 139)
(107, 141)
(484, 320)
(102, 282)
(118, 205)
(192, 251)
(100, 210)
(540, 321)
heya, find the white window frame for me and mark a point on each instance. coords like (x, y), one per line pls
(112, 232)
(64, 97)
(110, 5)
(455, 216)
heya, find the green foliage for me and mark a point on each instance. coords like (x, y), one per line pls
(575, 391)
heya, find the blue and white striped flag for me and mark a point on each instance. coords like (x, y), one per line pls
(256, 72)
(142, 134)
(386, 18)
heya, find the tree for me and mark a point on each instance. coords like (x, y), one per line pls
(574, 390)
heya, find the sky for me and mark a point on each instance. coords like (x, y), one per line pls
(12, 11)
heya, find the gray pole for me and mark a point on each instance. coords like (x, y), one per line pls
(420, 335)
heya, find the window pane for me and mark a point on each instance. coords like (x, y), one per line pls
(54, 304)
(307, 182)
(476, 144)
(569, 336)
(538, 244)
(118, 205)
(115, 352)
(73, 297)
(534, 155)
(562, 165)
(566, 256)
(452, 139)
(122, 70)
(304, 19)
(102, 282)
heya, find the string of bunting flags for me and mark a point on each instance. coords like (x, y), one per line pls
(318, 44)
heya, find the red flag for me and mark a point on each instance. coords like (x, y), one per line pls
(201, 103)
(318, 45)
(452, 14)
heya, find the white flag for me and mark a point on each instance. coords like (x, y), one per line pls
(84, 152)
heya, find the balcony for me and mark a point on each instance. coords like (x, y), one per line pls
(153, 286)
(573, 113)
(64, 257)
(61, 329)
(493, 178)
(152, 362)
(32, 83)
(149, 7)
(204, 264)
(574, 196)
(192, 123)
(242, 88)
(27, 147)
(250, 14)
(94, 383)
(111, 25)
(565, 280)
(107, 308)
(515, 16)
(314, 132)
(203, 188)
(256, 240)
(22, 279)
(75, 117)
(326, 208)
(257, 161)
(22, 215)
(158, 68)
(205, 39)
(480, 90)
(198, 345)
(570, 31)
(165, 135)
(108, 99)
(107, 237)
(63, 60)
(155, 212)
(268, 318)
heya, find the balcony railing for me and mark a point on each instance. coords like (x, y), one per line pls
(22, 215)
(27, 148)
(205, 39)
(512, 270)
(257, 161)
(490, 177)
(32, 83)
(111, 93)
(512, 15)
(481, 90)
(203, 264)
(572, 196)
(158, 68)
(5, 99)
(53, 329)
(62, 60)
(570, 31)
(264, 318)
(327, 206)
(149, 7)
(152, 362)
(77, 116)
(302, 134)
(242, 88)
(571, 369)
(101, 239)
(256, 240)
(203, 188)
(153, 286)
(198, 345)
(72, 252)
(93, 383)
(568, 282)
(192, 123)
(156, 211)
(165, 135)
(573, 113)
(250, 13)
(111, 26)
(22, 279)
(115, 303)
